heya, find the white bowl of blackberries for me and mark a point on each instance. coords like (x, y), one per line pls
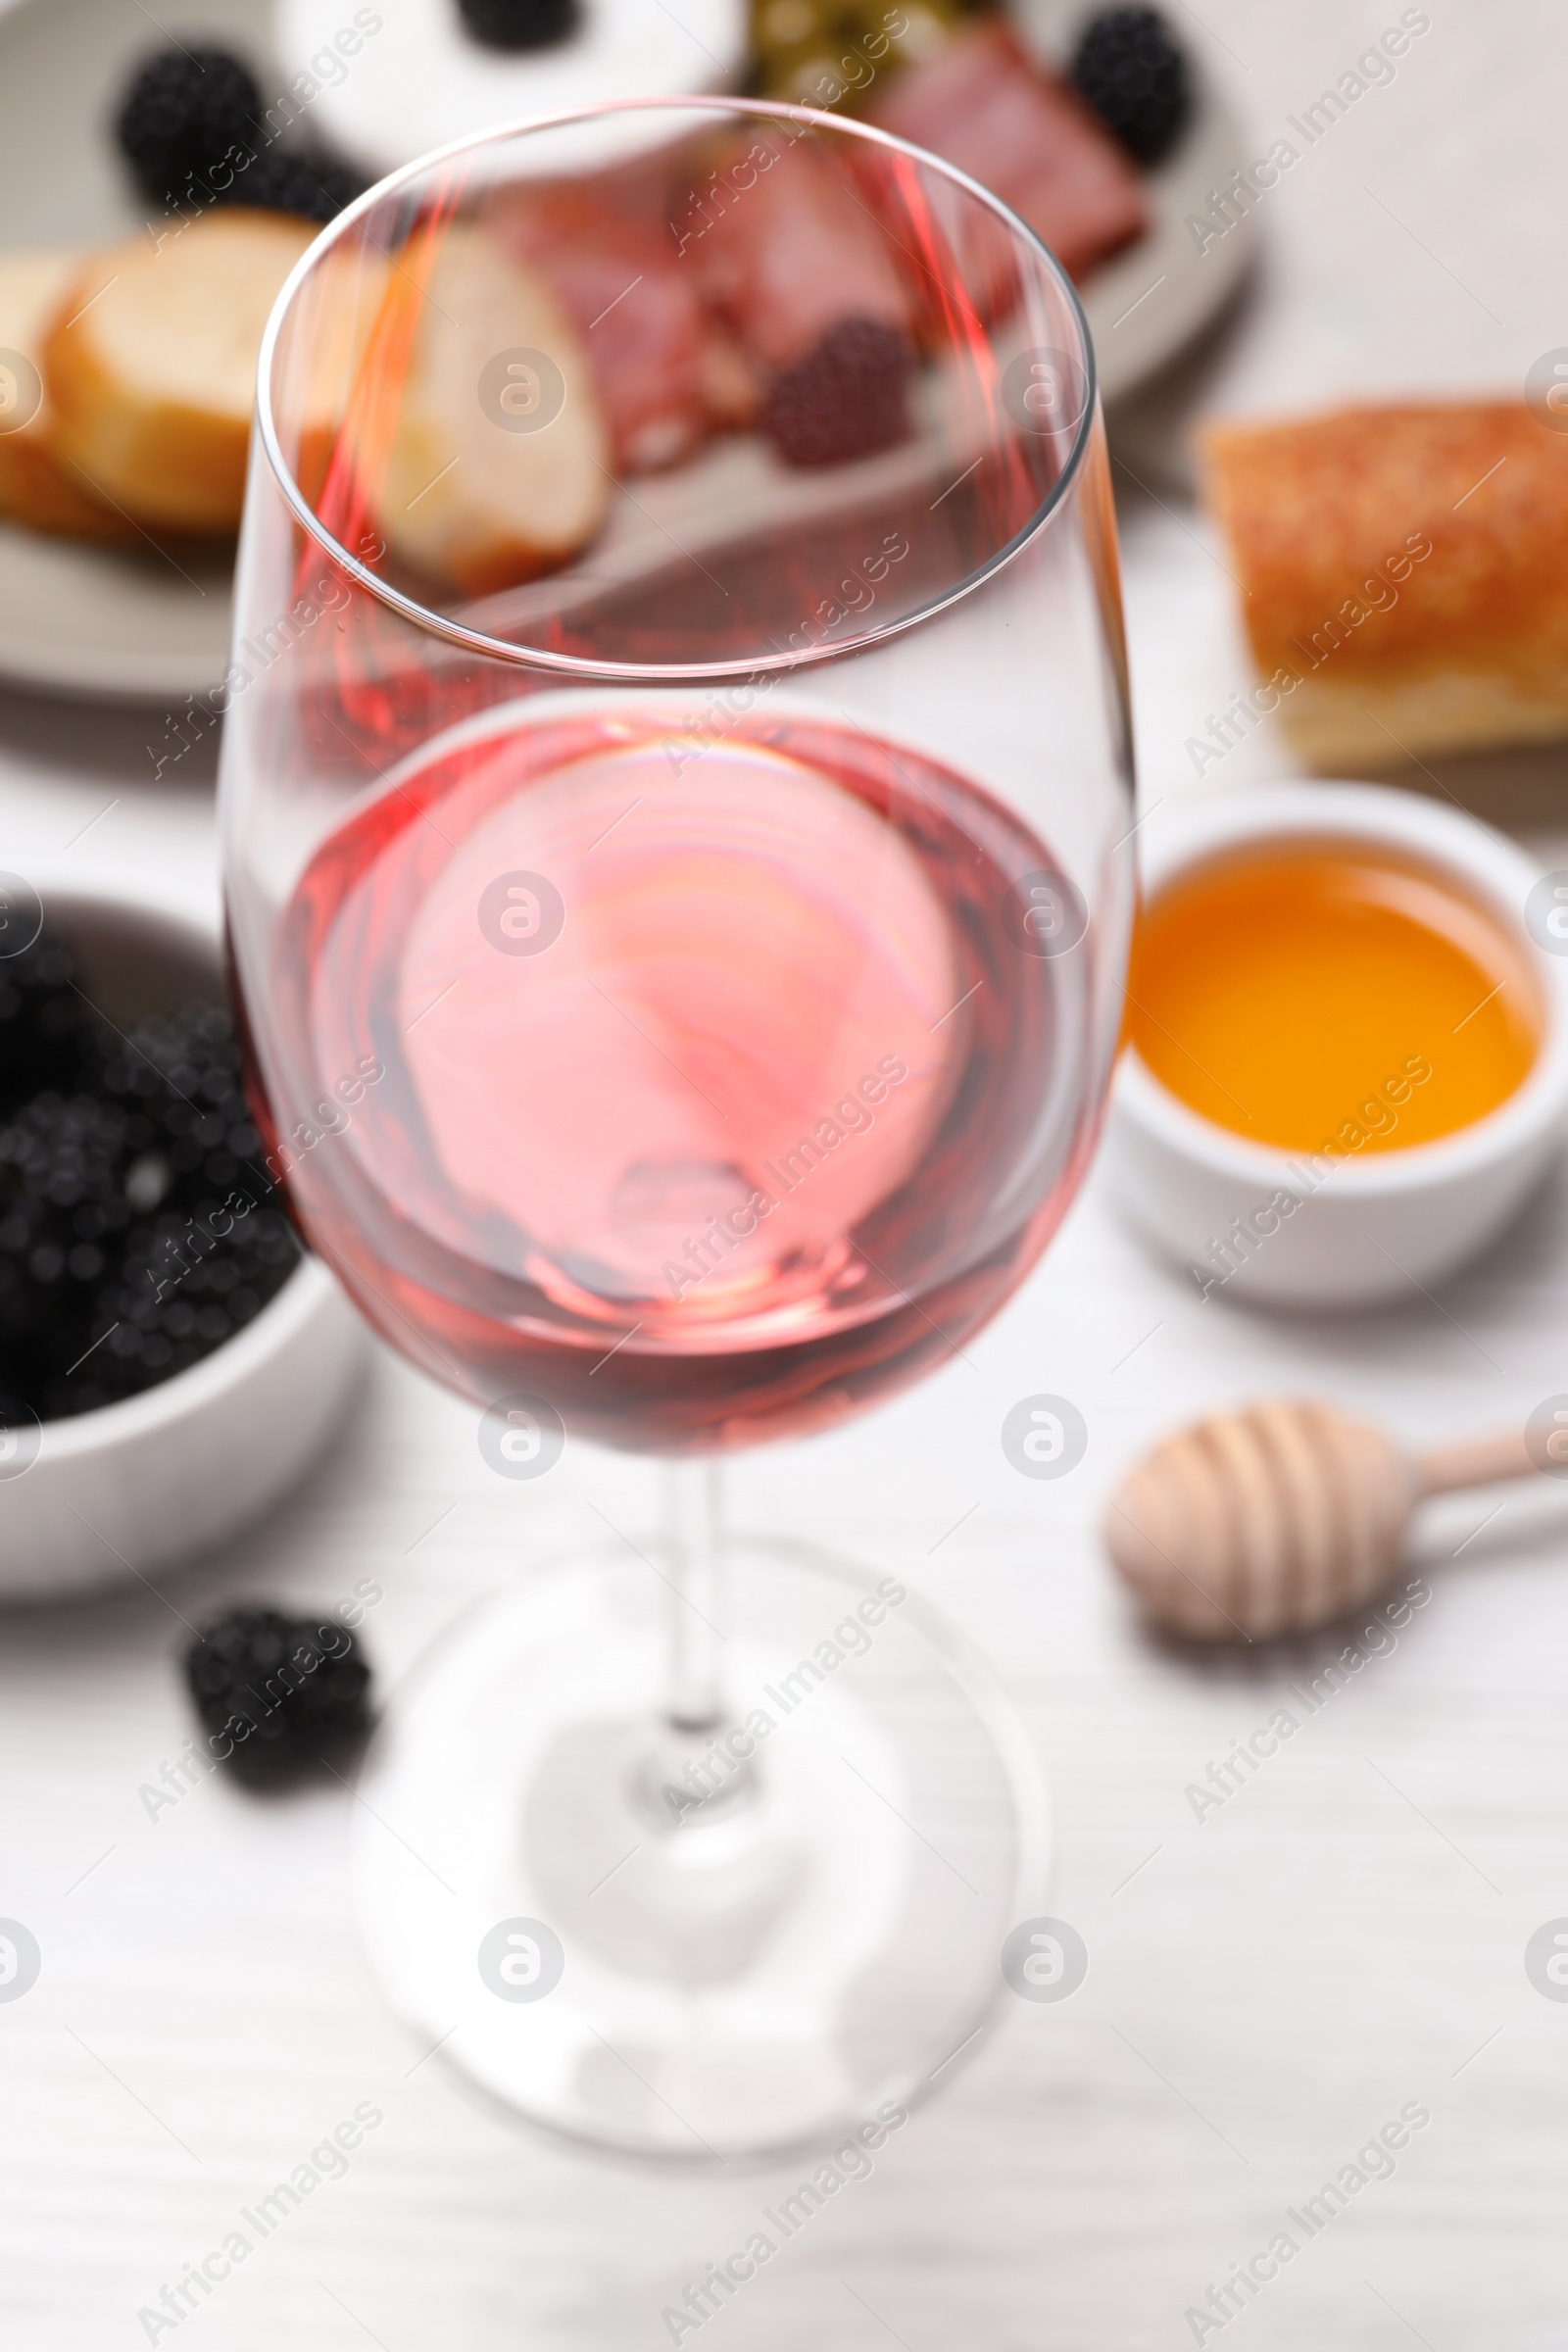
(171, 1358)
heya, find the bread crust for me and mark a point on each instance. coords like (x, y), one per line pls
(1386, 550)
(36, 486)
(152, 366)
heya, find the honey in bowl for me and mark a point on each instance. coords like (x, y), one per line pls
(1331, 998)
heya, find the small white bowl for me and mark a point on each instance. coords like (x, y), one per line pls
(177, 1470)
(1360, 1230)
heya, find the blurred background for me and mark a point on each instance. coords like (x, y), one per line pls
(1270, 1980)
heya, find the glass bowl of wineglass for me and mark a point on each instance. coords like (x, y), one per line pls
(677, 743)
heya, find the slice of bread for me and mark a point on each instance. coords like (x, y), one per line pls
(475, 493)
(1402, 574)
(152, 368)
(36, 486)
(339, 339)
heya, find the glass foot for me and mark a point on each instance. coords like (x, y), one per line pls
(704, 1943)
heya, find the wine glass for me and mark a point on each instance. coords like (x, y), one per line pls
(675, 801)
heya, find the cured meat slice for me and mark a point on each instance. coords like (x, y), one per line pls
(638, 315)
(784, 248)
(801, 276)
(981, 105)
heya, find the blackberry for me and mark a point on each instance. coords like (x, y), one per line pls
(285, 1693)
(846, 399)
(42, 1018)
(58, 1161)
(137, 1229)
(316, 186)
(189, 110)
(1130, 70)
(520, 23)
(182, 112)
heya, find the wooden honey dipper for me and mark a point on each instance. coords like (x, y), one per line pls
(1275, 1519)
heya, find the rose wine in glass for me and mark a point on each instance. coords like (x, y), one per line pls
(752, 1133)
(716, 873)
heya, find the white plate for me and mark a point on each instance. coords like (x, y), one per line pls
(1148, 305)
(154, 624)
(92, 620)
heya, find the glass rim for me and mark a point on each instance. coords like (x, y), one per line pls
(571, 666)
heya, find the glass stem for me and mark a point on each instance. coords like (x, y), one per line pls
(698, 1594)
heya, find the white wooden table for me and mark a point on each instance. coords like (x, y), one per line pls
(1268, 1985)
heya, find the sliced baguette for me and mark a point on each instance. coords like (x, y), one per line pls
(36, 486)
(340, 332)
(152, 370)
(464, 499)
(1402, 574)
